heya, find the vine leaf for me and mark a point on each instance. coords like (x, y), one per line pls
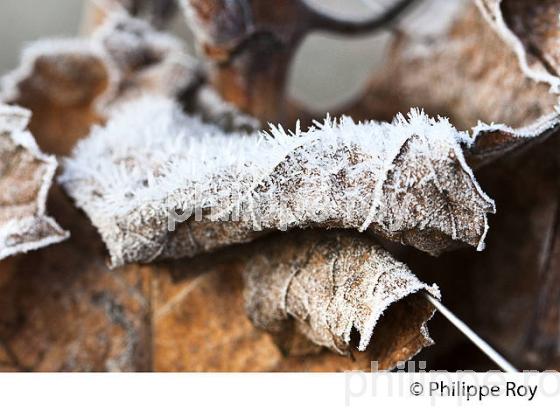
(317, 289)
(25, 178)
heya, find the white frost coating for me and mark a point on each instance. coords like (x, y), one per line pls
(493, 14)
(535, 129)
(386, 294)
(20, 232)
(150, 158)
(29, 226)
(484, 150)
(13, 119)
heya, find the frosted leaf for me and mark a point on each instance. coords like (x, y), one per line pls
(199, 306)
(150, 165)
(152, 62)
(530, 28)
(492, 141)
(25, 178)
(133, 57)
(490, 86)
(71, 84)
(458, 77)
(325, 286)
(62, 81)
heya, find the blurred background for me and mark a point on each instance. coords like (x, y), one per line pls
(22, 21)
(328, 70)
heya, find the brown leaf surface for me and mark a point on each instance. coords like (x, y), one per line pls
(510, 292)
(454, 75)
(531, 29)
(25, 178)
(200, 323)
(406, 181)
(62, 309)
(60, 82)
(164, 320)
(326, 286)
(515, 285)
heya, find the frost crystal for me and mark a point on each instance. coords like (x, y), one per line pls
(151, 165)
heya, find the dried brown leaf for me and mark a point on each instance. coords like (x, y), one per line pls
(515, 284)
(249, 47)
(405, 181)
(25, 178)
(325, 286)
(509, 293)
(69, 84)
(530, 28)
(497, 140)
(72, 84)
(454, 75)
(200, 323)
(62, 309)
(60, 81)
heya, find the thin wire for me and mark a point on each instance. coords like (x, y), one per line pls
(473, 337)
